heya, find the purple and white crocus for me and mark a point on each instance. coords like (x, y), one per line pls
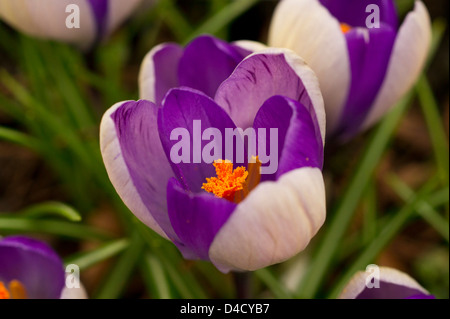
(30, 269)
(47, 18)
(364, 67)
(252, 220)
(391, 284)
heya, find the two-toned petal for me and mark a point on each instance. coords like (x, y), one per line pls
(265, 74)
(408, 58)
(203, 65)
(390, 284)
(369, 51)
(48, 18)
(136, 163)
(275, 222)
(356, 12)
(159, 72)
(308, 28)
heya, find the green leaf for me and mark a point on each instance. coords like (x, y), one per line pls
(179, 26)
(115, 283)
(184, 281)
(435, 125)
(19, 138)
(395, 224)
(438, 222)
(59, 228)
(155, 277)
(52, 208)
(278, 290)
(370, 214)
(84, 260)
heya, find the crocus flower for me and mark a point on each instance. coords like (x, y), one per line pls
(47, 18)
(218, 209)
(364, 67)
(393, 284)
(31, 269)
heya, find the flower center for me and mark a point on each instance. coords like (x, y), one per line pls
(233, 185)
(16, 290)
(345, 28)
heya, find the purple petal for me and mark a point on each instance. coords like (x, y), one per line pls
(100, 10)
(34, 264)
(196, 218)
(421, 296)
(370, 52)
(166, 65)
(206, 63)
(353, 12)
(388, 291)
(298, 143)
(137, 132)
(256, 79)
(181, 108)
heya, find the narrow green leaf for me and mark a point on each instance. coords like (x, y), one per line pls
(435, 125)
(84, 260)
(184, 281)
(59, 228)
(179, 26)
(19, 138)
(115, 283)
(438, 222)
(52, 208)
(394, 225)
(156, 279)
(370, 214)
(278, 290)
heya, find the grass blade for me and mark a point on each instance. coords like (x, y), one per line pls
(85, 260)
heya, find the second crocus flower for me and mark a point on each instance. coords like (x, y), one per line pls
(47, 18)
(364, 60)
(30, 269)
(391, 284)
(211, 205)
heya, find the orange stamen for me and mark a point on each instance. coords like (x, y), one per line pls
(345, 28)
(233, 185)
(16, 290)
(4, 294)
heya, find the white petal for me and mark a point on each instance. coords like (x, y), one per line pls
(147, 75)
(389, 275)
(74, 293)
(408, 58)
(307, 28)
(252, 46)
(275, 222)
(118, 172)
(47, 19)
